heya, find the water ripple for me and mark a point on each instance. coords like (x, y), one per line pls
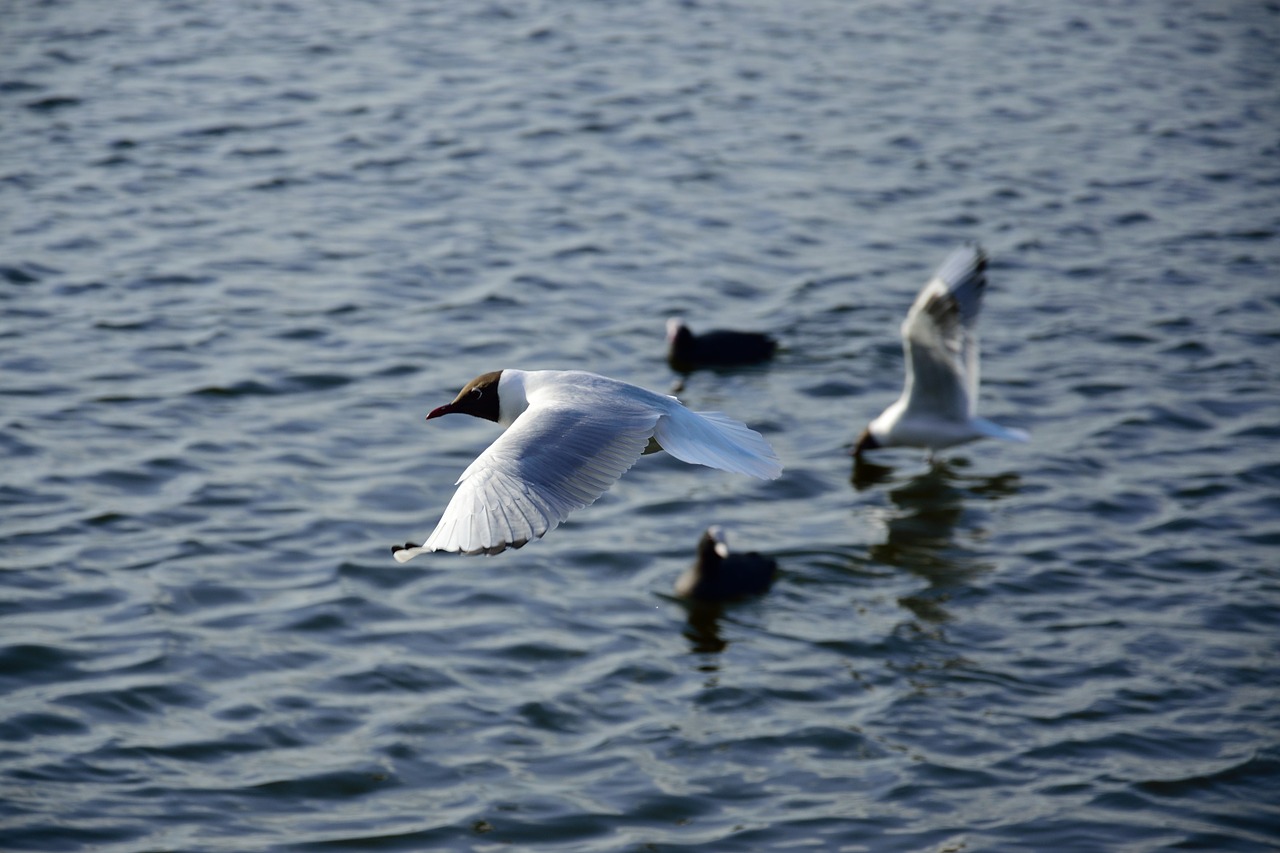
(248, 249)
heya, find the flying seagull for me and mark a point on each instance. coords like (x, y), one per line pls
(569, 435)
(939, 402)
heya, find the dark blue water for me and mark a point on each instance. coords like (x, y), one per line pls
(245, 247)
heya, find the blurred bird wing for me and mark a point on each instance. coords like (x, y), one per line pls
(940, 341)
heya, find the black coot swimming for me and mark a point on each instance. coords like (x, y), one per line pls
(687, 352)
(717, 575)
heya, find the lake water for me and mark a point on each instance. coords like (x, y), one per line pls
(245, 247)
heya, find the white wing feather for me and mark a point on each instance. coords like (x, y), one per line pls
(939, 340)
(551, 461)
(717, 441)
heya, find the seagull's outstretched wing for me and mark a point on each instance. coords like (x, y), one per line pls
(940, 341)
(555, 458)
(717, 441)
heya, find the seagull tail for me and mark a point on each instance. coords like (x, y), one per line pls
(717, 441)
(994, 430)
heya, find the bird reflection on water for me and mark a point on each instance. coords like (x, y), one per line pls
(702, 629)
(921, 531)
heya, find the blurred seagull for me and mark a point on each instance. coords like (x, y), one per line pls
(569, 436)
(717, 348)
(938, 406)
(717, 575)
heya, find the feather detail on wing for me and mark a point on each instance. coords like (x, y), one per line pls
(717, 441)
(939, 340)
(552, 460)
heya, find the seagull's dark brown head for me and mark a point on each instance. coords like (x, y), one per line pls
(478, 398)
(866, 441)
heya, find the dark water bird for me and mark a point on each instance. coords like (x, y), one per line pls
(718, 575)
(569, 435)
(687, 352)
(938, 406)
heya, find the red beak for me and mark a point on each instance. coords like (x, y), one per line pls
(443, 410)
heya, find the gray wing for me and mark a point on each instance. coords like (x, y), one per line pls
(940, 340)
(552, 460)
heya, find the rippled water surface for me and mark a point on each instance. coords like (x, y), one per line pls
(245, 247)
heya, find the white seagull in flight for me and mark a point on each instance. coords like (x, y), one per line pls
(939, 402)
(570, 435)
